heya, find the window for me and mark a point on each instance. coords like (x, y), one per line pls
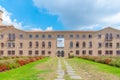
(118, 52)
(89, 36)
(117, 36)
(77, 44)
(43, 44)
(20, 52)
(30, 44)
(90, 52)
(36, 52)
(71, 36)
(71, 44)
(30, 52)
(49, 44)
(108, 52)
(99, 52)
(43, 36)
(1, 36)
(13, 52)
(43, 52)
(49, 52)
(30, 36)
(60, 36)
(108, 36)
(21, 45)
(90, 44)
(117, 45)
(36, 44)
(99, 36)
(11, 44)
(9, 52)
(49, 36)
(83, 44)
(2, 45)
(83, 52)
(21, 36)
(99, 45)
(108, 45)
(77, 36)
(1, 52)
(83, 36)
(11, 36)
(36, 36)
(77, 52)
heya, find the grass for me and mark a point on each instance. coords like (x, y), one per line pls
(49, 68)
(27, 72)
(94, 70)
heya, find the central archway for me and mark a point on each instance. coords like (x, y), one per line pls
(60, 53)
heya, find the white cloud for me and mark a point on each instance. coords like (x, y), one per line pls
(36, 29)
(114, 19)
(49, 28)
(79, 13)
(39, 29)
(7, 19)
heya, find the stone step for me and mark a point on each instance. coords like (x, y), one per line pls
(75, 77)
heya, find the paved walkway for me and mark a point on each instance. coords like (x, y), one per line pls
(69, 71)
(60, 71)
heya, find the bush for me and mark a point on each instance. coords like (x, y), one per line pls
(71, 55)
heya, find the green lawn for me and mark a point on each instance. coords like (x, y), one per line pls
(102, 67)
(90, 70)
(26, 72)
(45, 69)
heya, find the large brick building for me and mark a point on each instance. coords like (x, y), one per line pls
(15, 42)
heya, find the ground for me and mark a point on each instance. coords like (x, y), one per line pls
(46, 69)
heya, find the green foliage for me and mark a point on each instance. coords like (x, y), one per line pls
(26, 72)
(113, 61)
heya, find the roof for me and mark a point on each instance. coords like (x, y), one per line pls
(64, 31)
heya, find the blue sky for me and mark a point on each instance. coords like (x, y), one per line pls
(62, 14)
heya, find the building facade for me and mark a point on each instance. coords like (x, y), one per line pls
(15, 42)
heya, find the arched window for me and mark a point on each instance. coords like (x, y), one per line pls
(71, 44)
(9, 36)
(43, 44)
(84, 44)
(13, 36)
(90, 36)
(49, 44)
(110, 35)
(77, 44)
(2, 45)
(106, 36)
(90, 44)
(30, 44)
(36, 44)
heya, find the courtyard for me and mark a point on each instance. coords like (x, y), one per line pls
(62, 69)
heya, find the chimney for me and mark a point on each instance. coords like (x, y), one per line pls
(1, 12)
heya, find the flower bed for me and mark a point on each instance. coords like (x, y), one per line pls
(17, 63)
(113, 61)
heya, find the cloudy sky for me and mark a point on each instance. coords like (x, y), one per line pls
(61, 14)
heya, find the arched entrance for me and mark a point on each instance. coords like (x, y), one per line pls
(60, 53)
